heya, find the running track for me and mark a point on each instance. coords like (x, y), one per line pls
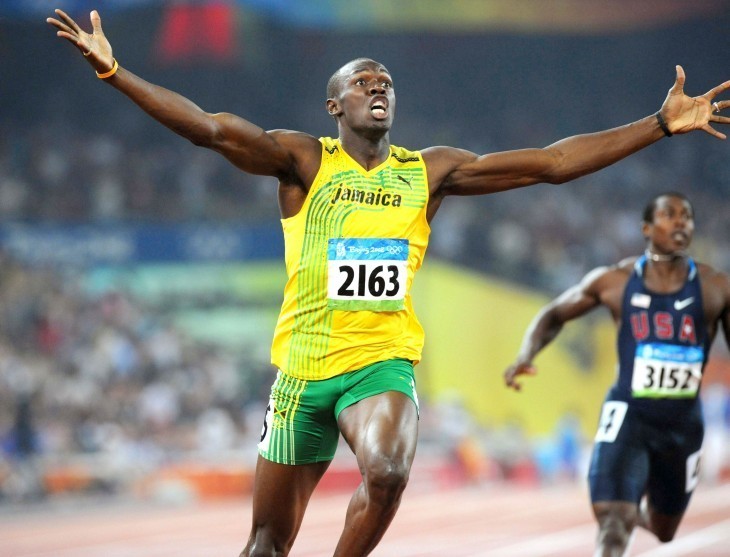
(497, 520)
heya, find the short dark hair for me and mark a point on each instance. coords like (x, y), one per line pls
(333, 84)
(648, 214)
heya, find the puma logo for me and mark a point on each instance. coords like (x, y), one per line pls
(402, 179)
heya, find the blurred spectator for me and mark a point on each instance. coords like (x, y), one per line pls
(105, 378)
(22, 476)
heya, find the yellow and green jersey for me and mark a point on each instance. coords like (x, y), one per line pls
(351, 254)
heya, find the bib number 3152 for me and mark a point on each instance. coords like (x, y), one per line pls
(667, 371)
(367, 273)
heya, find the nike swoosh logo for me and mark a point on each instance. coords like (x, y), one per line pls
(681, 304)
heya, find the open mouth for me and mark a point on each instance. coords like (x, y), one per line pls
(680, 238)
(379, 109)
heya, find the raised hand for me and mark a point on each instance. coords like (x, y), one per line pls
(95, 46)
(514, 371)
(684, 114)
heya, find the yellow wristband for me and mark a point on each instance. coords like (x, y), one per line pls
(110, 73)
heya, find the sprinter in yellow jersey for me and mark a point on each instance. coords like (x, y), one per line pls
(355, 212)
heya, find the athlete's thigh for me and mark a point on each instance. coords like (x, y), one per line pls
(280, 496)
(619, 467)
(378, 411)
(384, 426)
(675, 466)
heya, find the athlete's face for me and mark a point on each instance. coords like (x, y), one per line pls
(365, 99)
(673, 226)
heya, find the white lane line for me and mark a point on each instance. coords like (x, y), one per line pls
(687, 545)
(710, 498)
(550, 543)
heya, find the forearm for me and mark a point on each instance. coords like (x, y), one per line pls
(244, 144)
(560, 162)
(541, 332)
(171, 109)
(582, 154)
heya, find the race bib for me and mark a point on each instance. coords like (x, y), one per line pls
(667, 371)
(265, 439)
(367, 274)
(694, 462)
(613, 413)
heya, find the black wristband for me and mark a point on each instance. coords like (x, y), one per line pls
(663, 124)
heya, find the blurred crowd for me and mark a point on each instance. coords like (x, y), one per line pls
(545, 237)
(45, 176)
(106, 377)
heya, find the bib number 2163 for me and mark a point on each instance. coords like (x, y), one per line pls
(367, 273)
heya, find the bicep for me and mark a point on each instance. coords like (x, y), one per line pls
(495, 172)
(588, 294)
(252, 149)
(573, 303)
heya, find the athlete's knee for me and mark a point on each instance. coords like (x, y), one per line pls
(614, 530)
(664, 534)
(663, 526)
(260, 551)
(613, 540)
(261, 544)
(665, 537)
(386, 477)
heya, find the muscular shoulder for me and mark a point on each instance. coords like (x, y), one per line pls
(292, 136)
(626, 266)
(606, 285)
(305, 151)
(708, 272)
(609, 276)
(441, 161)
(715, 283)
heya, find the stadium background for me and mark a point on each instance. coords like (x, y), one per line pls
(141, 278)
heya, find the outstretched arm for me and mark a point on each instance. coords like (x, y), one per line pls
(246, 145)
(464, 173)
(574, 302)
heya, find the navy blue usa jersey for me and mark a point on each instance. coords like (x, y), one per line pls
(662, 346)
